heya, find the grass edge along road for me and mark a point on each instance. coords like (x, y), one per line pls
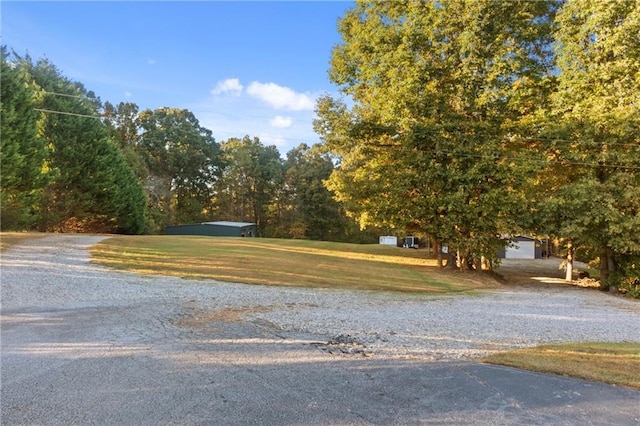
(10, 239)
(282, 262)
(613, 363)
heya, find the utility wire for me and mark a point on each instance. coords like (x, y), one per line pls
(67, 95)
(67, 113)
(542, 161)
(521, 159)
(458, 154)
(443, 127)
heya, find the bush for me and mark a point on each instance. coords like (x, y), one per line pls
(628, 278)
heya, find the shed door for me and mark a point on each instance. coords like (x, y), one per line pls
(521, 250)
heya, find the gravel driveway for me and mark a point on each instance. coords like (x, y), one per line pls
(83, 344)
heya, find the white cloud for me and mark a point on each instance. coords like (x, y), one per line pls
(151, 61)
(230, 85)
(280, 97)
(278, 141)
(128, 94)
(281, 122)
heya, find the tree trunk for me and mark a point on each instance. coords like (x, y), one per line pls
(460, 260)
(604, 269)
(569, 263)
(438, 248)
(452, 259)
(607, 268)
(613, 267)
(486, 264)
(472, 261)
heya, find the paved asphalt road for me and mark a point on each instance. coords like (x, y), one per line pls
(143, 360)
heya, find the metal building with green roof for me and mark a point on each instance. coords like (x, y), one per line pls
(215, 229)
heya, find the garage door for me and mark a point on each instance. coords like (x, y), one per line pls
(521, 250)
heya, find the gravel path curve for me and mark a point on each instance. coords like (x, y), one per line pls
(82, 344)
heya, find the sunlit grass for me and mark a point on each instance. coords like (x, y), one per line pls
(10, 239)
(285, 263)
(613, 363)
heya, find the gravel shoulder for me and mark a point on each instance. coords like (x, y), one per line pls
(69, 327)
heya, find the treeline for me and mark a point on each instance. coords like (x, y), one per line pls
(472, 120)
(73, 163)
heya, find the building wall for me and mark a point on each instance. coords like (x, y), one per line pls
(212, 230)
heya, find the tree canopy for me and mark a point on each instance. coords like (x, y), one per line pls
(78, 177)
(23, 152)
(591, 131)
(73, 163)
(470, 121)
(183, 162)
(442, 93)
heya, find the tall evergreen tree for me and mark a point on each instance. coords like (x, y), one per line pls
(22, 152)
(91, 188)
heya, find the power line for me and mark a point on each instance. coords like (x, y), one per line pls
(458, 154)
(589, 143)
(67, 95)
(543, 161)
(102, 117)
(67, 113)
(522, 159)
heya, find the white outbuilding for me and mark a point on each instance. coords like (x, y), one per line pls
(389, 240)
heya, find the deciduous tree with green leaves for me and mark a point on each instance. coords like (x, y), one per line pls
(184, 162)
(251, 181)
(591, 134)
(122, 122)
(314, 213)
(436, 136)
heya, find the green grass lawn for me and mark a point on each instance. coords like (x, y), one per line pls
(286, 263)
(613, 363)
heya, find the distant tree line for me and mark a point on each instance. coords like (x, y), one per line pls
(73, 163)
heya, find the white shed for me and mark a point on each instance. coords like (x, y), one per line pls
(389, 240)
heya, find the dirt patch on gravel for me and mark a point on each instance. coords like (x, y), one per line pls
(197, 318)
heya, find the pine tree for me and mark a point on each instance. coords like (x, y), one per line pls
(22, 152)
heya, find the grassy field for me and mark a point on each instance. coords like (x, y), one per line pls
(613, 363)
(286, 263)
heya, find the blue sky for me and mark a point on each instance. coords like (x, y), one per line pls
(243, 68)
